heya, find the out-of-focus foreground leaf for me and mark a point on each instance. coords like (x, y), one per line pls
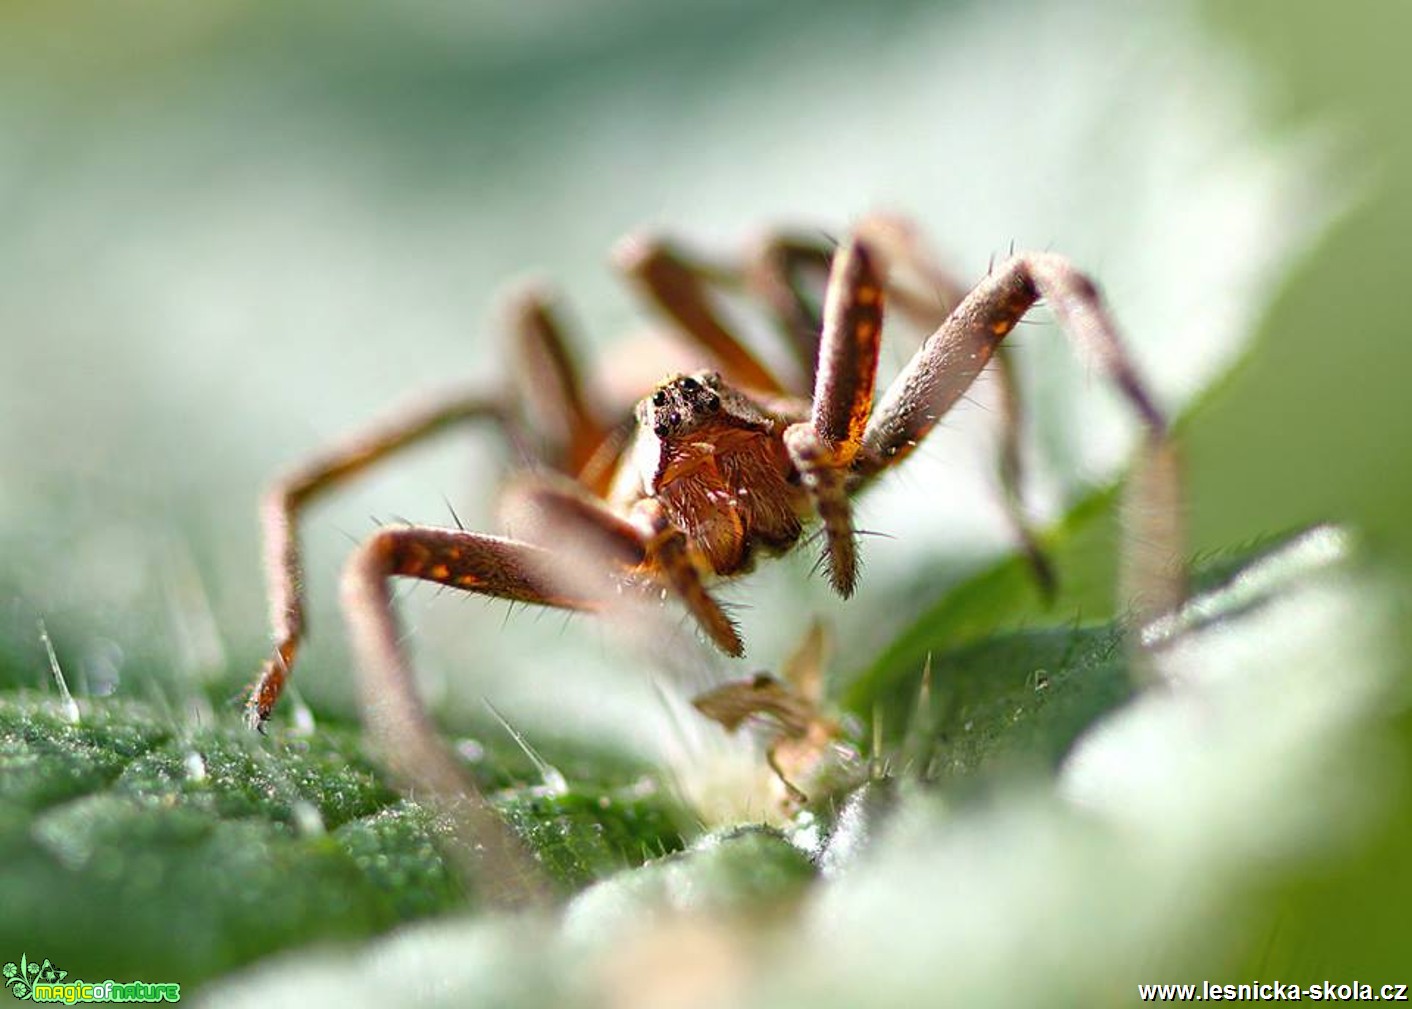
(130, 849)
(1267, 746)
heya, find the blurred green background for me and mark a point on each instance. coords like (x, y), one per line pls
(229, 232)
(1317, 421)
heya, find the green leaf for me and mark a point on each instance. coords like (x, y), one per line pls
(119, 832)
(1097, 857)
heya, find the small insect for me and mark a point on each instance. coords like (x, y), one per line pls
(713, 469)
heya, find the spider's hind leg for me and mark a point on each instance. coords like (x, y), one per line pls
(562, 409)
(681, 289)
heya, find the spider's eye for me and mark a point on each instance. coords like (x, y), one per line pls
(674, 418)
(713, 402)
(690, 384)
(659, 398)
(660, 430)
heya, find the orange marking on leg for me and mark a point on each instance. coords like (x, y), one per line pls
(867, 295)
(466, 581)
(865, 329)
(439, 571)
(414, 561)
(1002, 326)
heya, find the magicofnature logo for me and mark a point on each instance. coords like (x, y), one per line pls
(41, 981)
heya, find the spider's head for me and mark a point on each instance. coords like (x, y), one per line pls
(681, 405)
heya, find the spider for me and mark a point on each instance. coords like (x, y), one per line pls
(714, 469)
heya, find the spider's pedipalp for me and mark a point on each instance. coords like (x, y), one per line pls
(673, 557)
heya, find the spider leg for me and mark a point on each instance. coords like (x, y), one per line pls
(1010, 467)
(901, 247)
(778, 267)
(776, 271)
(896, 242)
(825, 446)
(286, 500)
(679, 288)
(396, 719)
(951, 358)
(588, 536)
(550, 384)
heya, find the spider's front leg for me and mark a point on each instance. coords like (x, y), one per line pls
(593, 550)
(951, 359)
(932, 295)
(471, 562)
(397, 722)
(291, 495)
(823, 449)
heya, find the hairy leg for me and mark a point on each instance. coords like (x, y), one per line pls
(550, 385)
(824, 447)
(680, 288)
(645, 545)
(946, 365)
(951, 358)
(932, 295)
(283, 503)
(397, 722)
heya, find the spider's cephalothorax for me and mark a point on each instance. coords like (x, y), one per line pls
(716, 462)
(712, 470)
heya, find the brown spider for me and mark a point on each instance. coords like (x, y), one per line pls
(715, 469)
